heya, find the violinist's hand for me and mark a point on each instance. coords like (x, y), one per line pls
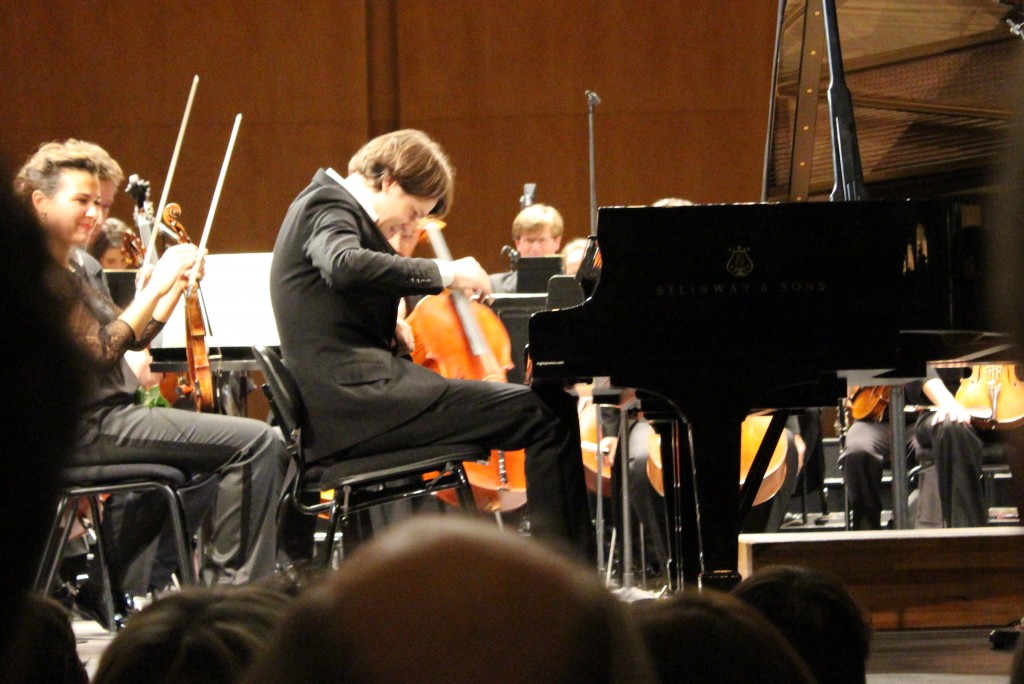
(470, 277)
(171, 272)
(403, 336)
(140, 361)
(142, 276)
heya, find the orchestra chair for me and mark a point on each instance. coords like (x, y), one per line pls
(75, 483)
(363, 482)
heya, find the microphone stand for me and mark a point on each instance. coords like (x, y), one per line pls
(592, 101)
(590, 266)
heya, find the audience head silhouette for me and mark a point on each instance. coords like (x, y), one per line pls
(45, 648)
(445, 599)
(207, 635)
(817, 614)
(711, 637)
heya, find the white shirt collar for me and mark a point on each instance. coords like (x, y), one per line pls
(358, 190)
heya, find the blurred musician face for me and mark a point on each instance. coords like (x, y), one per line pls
(537, 243)
(112, 258)
(69, 216)
(573, 259)
(398, 211)
(107, 192)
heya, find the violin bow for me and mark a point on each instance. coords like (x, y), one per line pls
(213, 204)
(150, 252)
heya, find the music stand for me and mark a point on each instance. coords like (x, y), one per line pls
(534, 273)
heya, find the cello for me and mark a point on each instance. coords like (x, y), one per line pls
(590, 448)
(482, 351)
(994, 396)
(753, 431)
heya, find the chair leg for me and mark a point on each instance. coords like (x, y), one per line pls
(101, 555)
(467, 502)
(176, 512)
(338, 513)
(54, 551)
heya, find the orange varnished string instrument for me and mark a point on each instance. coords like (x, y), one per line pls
(198, 382)
(590, 448)
(868, 402)
(994, 396)
(459, 338)
(753, 431)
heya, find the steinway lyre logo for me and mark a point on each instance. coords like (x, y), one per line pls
(739, 264)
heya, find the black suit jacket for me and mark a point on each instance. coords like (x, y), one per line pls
(335, 283)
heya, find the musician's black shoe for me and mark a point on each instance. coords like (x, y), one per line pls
(1006, 638)
(89, 603)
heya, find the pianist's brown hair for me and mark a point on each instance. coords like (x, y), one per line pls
(411, 158)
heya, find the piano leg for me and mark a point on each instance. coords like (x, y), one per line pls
(703, 502)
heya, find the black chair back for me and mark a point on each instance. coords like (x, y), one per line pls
(284, 397)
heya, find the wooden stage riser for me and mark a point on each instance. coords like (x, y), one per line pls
(911, 579)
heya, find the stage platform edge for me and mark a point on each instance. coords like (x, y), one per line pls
(910, 579)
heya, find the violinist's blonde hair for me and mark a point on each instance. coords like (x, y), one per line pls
(535, 218)
(43, 169)
(412, 159)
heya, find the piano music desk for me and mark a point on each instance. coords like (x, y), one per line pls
(910, 579)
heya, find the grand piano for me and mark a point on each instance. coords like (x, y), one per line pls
(712, 311)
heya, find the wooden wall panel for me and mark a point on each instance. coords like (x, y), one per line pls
(684, 87)
(118, 73)
(684, 90)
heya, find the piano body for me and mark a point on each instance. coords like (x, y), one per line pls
(711, 311)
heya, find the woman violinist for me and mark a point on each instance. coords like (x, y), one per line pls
(60, 184)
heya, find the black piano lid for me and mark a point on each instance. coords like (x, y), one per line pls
(932, 84)
(821, 285)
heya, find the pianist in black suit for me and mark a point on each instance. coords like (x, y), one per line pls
(335, 288)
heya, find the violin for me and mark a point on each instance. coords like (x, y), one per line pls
(457, 338)
(133, 250)
(868, 403)
(199, 381)
(994, 396)
(753, 431)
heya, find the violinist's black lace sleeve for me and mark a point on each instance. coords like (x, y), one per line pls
(97, 328)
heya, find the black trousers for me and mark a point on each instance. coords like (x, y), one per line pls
(246, 457)
(543, 421)
(955, 450)
(863, 459)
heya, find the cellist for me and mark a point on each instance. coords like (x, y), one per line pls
(335, 286)
(60, 184)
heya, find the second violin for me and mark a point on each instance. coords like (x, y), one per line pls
(199, 381)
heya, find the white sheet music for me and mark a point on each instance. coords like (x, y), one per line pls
(236, 295)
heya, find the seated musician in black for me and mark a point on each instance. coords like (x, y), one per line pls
(954, 446)
(60, 184)
(335, 287)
